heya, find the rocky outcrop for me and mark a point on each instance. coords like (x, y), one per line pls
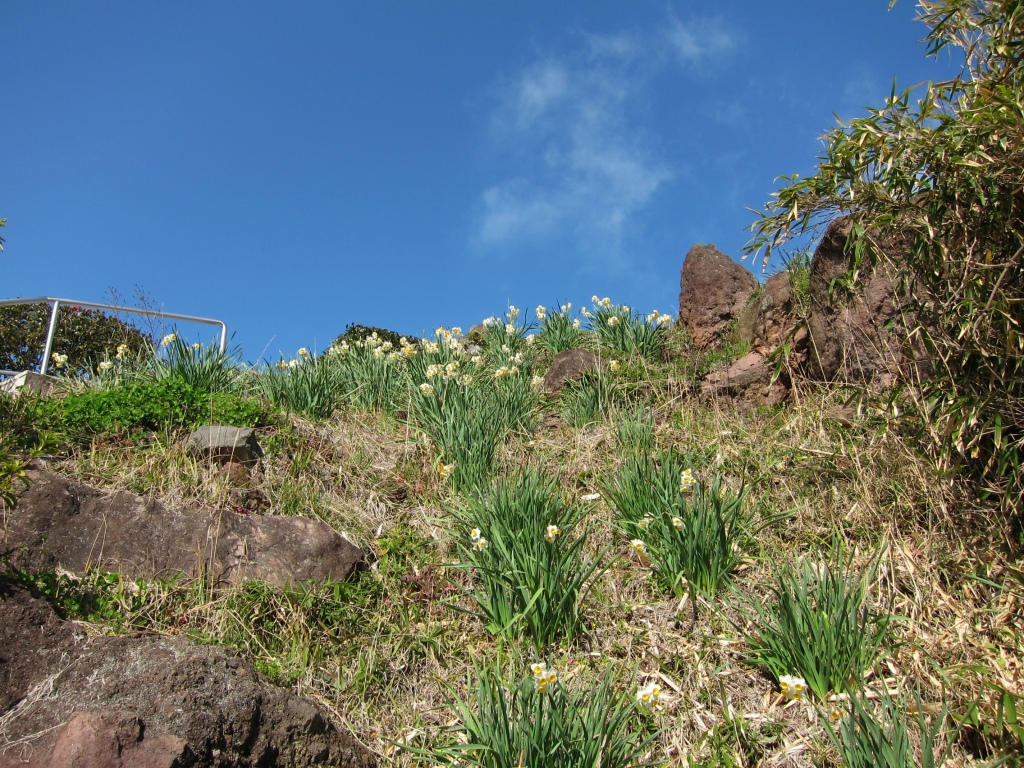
(862, 337)
(569, 365)
(155, 702)
(58, 522)
(768, 318)
(714, 289)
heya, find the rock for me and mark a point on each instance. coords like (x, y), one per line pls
(147, 701)
(849, 339)
(115, 740)
(747, 383)
(713, 291)
(29, 381)
(226, 444)
(749, 369)
(768, 318)
(569, 364)
(58, 522)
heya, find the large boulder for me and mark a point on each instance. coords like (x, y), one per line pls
(714, 289)
(863, 337)
(152, 702)
(768, 318)
(59, 522)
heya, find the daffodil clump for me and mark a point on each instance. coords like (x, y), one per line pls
(532, 576)
(619, 329)
(559, 330)
(693, 534)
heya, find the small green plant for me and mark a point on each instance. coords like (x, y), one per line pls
(309, 387)
(634, 429)
(559, 330)
(203, 366)
(879, 736)
(694, 532)
(530, 559)
(589, 400)
(467, 415)
(370, 372)
(818, 624)
(538, 723)
(619, 330)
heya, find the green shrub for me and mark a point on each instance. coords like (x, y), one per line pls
(522, 724)
(166, 404)
(86, 336)
(355, 332)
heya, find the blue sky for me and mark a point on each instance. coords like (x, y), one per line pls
(292, 168)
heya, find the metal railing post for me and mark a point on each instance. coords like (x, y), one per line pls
(49, 338)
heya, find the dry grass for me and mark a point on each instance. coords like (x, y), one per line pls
(854, 479)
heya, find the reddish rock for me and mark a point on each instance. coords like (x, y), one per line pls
(714, 289)
(768, 318)
(147, 702)
(569, 365)
(59, 522)
(115, 740)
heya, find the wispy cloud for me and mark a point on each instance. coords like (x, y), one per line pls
(572, 131)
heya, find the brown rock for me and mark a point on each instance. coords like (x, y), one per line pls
(768, 317)
(149, 702)
(569, 365)
(58, 522)
(749, 369)
(714, 289)
(849, 339)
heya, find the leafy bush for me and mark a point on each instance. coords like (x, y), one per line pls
(522, 542)
(526, 725)
(355, 332)
(937, 169)
(818, 625)
(86, 336)
(166, 404)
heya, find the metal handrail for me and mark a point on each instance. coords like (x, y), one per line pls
(109, 307)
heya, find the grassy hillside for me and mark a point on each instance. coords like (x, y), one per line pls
(621, 571)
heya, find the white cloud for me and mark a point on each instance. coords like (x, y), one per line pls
(573, 133)
(698, 41)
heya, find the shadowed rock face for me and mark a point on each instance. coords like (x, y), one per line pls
(714, 289)
(862, 338)
(149, 702)
(58, 522)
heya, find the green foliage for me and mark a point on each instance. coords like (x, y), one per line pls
(634, 429)
(355, 332)
(619, 330)
(309, 387)
(935, 174)
(515, 724)
(694, 532)
(590, 399)
(86, 336)
(203, 366)
(879, 737)
(166, 404)
(467, 418)
(559, 330)
(531, 562)
(817, 625)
